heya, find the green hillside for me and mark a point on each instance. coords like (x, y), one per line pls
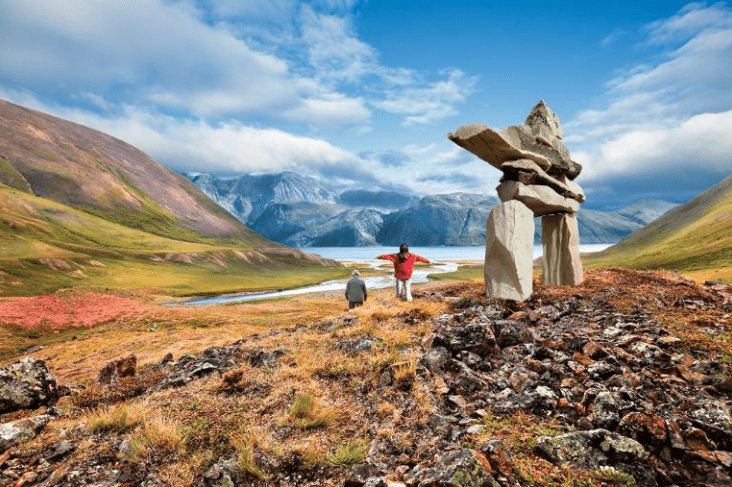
(45, 246)
(695, 239)
(81, 208)
(86, 169)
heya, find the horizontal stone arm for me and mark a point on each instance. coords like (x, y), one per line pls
(511, 169)
(491, 146)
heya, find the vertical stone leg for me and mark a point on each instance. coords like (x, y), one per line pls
(509, 251)
(560, 238)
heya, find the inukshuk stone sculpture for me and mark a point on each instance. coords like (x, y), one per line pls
(538, 180)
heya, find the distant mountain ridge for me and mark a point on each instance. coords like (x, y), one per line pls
(301, 211)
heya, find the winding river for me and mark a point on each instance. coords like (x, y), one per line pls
(444, 259)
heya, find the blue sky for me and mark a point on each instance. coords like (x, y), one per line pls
(362, 93)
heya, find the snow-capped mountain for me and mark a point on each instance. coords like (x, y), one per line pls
(301, 211)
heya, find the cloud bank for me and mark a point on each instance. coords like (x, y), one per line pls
(232, 86)
(666, 130)
(220, 86)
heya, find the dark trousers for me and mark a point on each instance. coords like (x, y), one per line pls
(354, 304)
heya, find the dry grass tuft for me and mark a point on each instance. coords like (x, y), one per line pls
(308, 412)
(115, 420)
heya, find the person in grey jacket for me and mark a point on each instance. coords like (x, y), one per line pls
(355, 291)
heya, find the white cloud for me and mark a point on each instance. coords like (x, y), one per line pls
(690, 20)
(333, 49)
(331, 110)
(159, 54)
(702, 143)
(670, 121)
(194, 83)
(441, 168)
(271, 9)
(338, 59)
(613, 37)
(282, 60)
(429, 103)
(197, 145)
(139, 48)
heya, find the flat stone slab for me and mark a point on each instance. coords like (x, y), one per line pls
(493, 147)
(539, 139)
(512, 168)
(540, 199)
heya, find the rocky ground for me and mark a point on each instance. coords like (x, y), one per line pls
(623, 381)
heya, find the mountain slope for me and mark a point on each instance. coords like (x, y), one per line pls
(248, 196)
(87, 169)
(644, 212)
(696, 236)
(383, 200)
(78, 207)
(455, 219)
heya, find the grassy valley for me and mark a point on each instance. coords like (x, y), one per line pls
(79, 208)
(694, 239)
(48, 246)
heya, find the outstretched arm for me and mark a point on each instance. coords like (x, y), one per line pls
(390, 257)
(421, 259)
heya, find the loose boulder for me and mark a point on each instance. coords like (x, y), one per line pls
(15, 432)
(26, 384)
(599, 448)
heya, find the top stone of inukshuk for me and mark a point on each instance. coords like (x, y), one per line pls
(532, 154)
(538, 180)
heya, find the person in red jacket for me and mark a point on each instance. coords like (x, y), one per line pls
(403, 267)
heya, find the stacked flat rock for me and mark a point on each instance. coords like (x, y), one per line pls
(538, 180)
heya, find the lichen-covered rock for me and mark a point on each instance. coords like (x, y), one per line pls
(714, 418)
(224, 473)
(457, 469)
(475, 337)
(599, 448)
(501, 461)
(216, 359)
(27, 384)
(512, 333)
(435, 359)
(350, 346)
(647, 429)
(21, 430)
(606, 409)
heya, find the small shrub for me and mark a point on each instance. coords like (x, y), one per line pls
(617, 478)
(349, 454)
(306, 413)
(114, 420)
